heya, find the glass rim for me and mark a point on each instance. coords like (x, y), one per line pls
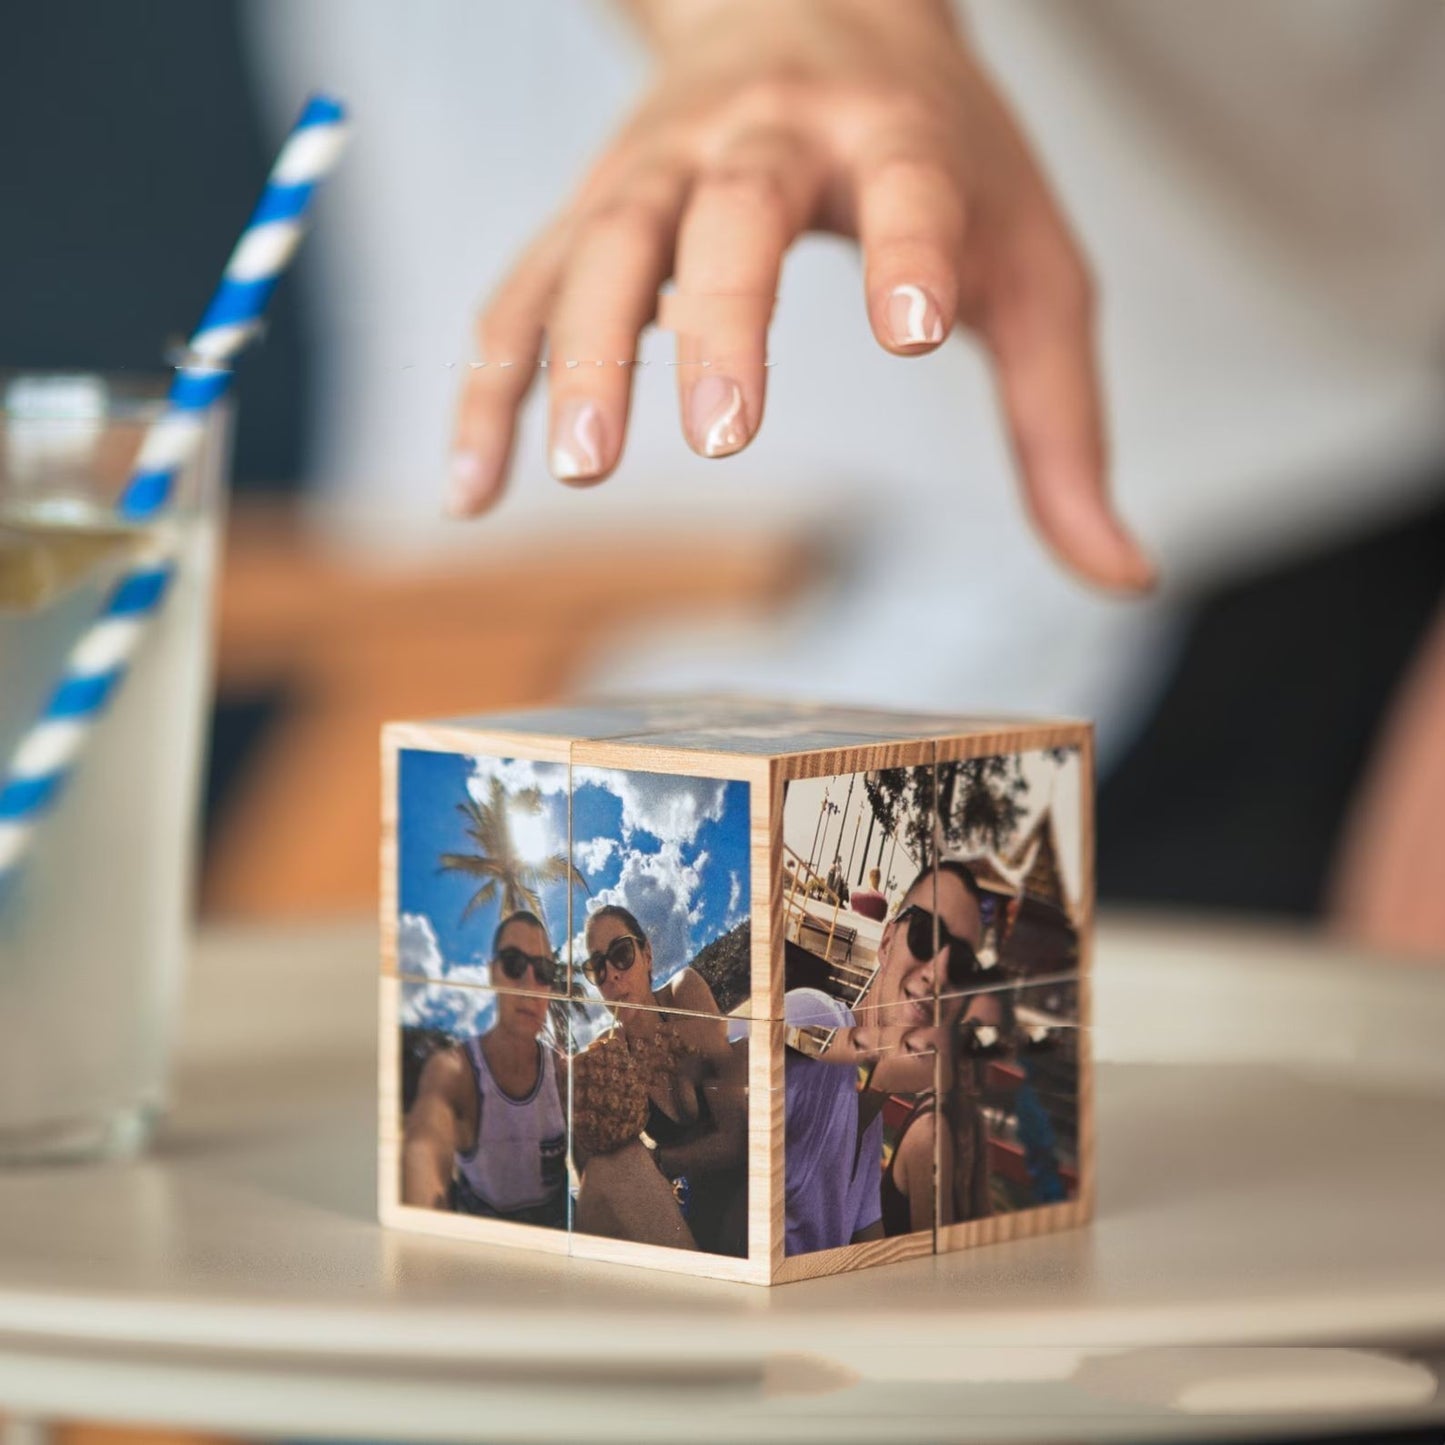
(122, 395)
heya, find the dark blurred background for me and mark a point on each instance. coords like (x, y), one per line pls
(131, 147)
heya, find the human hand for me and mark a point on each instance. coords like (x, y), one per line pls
(866, 119)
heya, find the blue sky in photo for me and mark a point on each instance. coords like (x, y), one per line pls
(432, 788)
(675, 850)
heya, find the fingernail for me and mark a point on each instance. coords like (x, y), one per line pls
(466, 491)
(914, 317)
(577, 440)
(716, 417)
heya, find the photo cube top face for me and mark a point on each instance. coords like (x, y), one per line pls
(582, 721)
(734, 725)
(781, 730)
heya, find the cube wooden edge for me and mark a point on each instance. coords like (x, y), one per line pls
(824, 1262)
(1017, 1224)
(387, 885)
(766, 1195)
(640, 756)
(1023, 738)
(388, 1101)
(855, 758)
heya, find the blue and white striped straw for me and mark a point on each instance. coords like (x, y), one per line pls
(234, 316)
(97, 665)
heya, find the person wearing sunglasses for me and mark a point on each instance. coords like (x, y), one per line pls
(907, 1034)
(487, 1134)
(928, 950)
(696, 1085)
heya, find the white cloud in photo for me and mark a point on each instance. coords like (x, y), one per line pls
(419, 955)
(459, 1012)
(664, 894)
(515, 774)
(736, 912)
(593, 854)
(670, 808)
(417, 952)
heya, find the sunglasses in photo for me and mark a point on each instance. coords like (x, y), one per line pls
(619, 956)
(514, 963)
(923, 943)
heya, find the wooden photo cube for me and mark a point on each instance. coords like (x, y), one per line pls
(752, 990)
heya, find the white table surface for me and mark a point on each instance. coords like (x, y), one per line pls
(1268, 1254)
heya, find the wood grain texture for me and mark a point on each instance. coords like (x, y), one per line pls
(388, 882)
(388, 1100)
(865, 758)
(770, 1181)
(767, 1220)
(642, 756)
(1023, 738)
(824, 1262)
(1017, 1224)
(767, 897)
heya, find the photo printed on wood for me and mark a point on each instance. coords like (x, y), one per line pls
(483, 1092)
(932, 936)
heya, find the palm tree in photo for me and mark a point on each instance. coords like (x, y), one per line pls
(504, 874)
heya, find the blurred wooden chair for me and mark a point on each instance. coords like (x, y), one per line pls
(351, 642)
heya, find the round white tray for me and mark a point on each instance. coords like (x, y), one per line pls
(1271, 1122)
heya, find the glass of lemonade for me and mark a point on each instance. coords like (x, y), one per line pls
(94, 920)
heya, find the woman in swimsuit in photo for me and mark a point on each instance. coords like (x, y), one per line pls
(986, 1025)
(901, 1065)
(685, 1183)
